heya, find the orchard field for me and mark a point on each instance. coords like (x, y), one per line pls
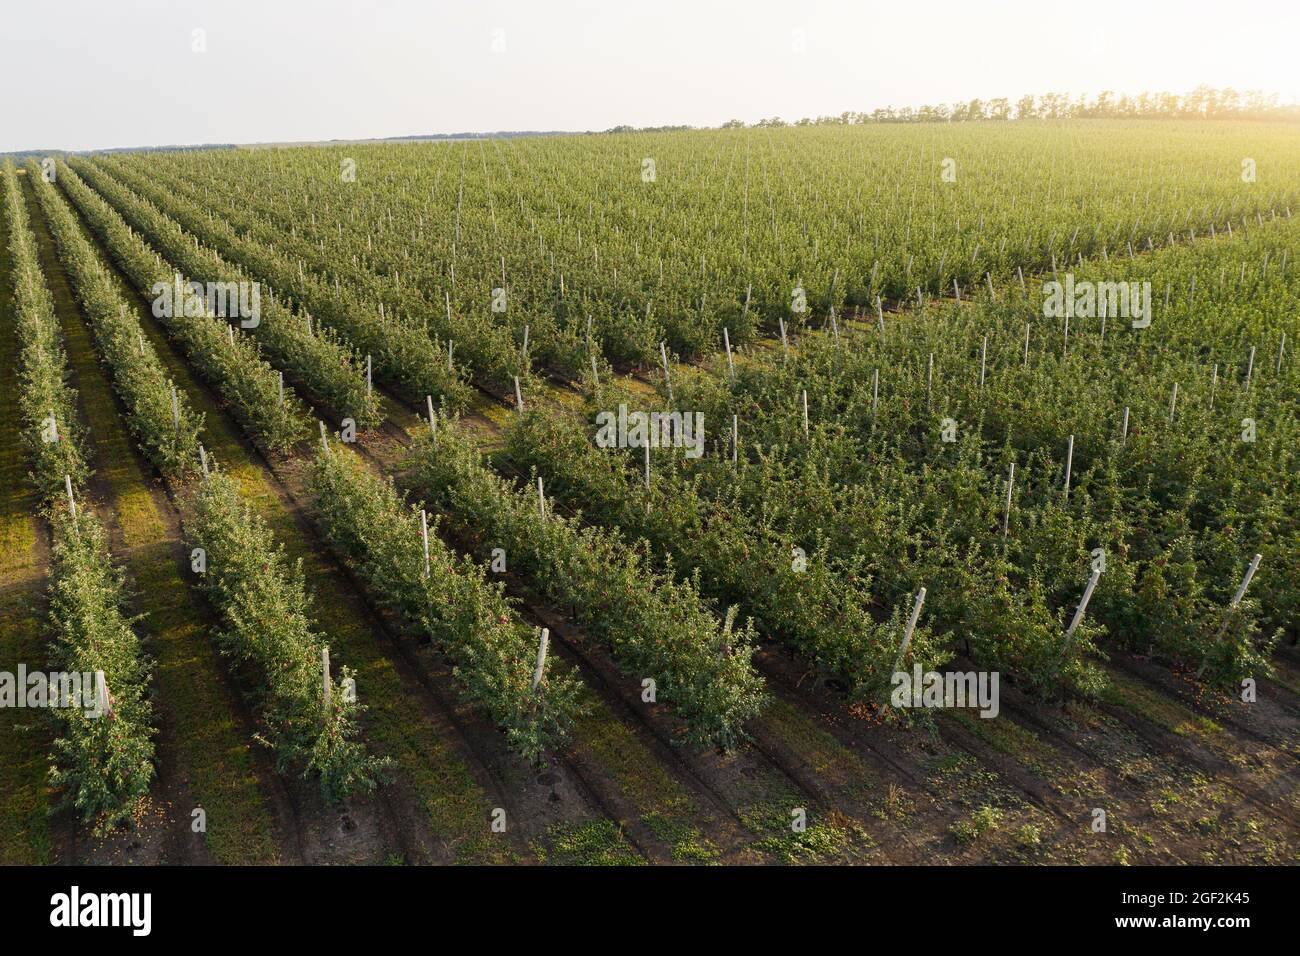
(378, 575)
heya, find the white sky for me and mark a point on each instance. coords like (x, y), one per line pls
(101, 73)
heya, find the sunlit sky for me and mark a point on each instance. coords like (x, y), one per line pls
(86, 74)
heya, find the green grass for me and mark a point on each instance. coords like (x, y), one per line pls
(24, 740)
(597, 843)
(663, 804)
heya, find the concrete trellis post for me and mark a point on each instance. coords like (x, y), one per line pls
(1250, 367)
(1214, 384)
(726, 340)
(1123, 435)
(1245, 583)
(805, 412)
(984, 352)
(1173, 403)
(911, 626)
(281, 388)
(326, 687)
(543, 644)
(451, 347)
(1026, 359)
(880, 316)
(735, 438)
(595, 374)
(1232, 607)
(203, 460)
(1083, 604)
(433, 419)
(929, 381)
(1069, 465)
(424, 537)
(519, 398)
(541, 498)
(1281, 347)
(1006, 512)
(663, 356)
(370, 385)
(785, 344)
(72, 501)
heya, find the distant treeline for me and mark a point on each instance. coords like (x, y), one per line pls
(1201, 103)
(22, 156)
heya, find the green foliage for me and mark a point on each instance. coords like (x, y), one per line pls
(657, 628)
(323, 365)
(168, 433)
(102, 764)
(232, 365)
(494, 654)
(42, 391)
(263, 606)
